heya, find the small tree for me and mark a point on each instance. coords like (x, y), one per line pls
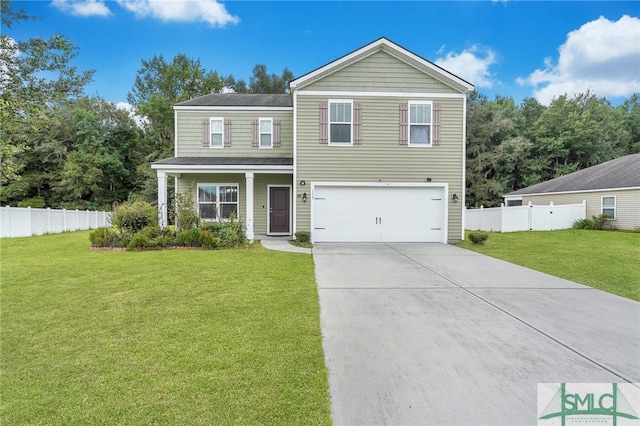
(185, 215)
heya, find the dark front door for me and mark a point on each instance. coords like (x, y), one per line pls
(278, 210)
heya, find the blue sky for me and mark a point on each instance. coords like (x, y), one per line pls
(511, 48)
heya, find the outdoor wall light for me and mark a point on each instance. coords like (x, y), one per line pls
(304, 197)
(455, 198)
(428, 179)
(302, 183)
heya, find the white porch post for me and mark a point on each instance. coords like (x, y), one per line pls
(249, 205)
(162, 198)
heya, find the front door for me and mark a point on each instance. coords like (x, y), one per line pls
(279, 210)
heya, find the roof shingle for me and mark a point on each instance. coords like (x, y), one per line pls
(623, 172)
(240, 100)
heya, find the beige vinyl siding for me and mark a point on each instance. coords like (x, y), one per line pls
(627, 204)
(379, 72)
(380, 157)
(260, 208)
(190, 133)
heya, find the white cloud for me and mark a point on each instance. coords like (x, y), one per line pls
(140, 121)
(82, 7)
(209, 11)
(471, 64)
(602, 56)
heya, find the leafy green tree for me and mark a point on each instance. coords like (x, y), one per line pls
(575, 133)
(630, 111)
(262, 82)
(36, 73)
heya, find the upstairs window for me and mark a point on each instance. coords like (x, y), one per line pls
(266, 132)
(609, 206)
(340, 122)
(420, 123)
(216, 130)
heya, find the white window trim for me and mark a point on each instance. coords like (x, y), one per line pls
(260, 132)
(423, 145)
(340, 101)
(211, 120)
(615, 205)
(217, 203)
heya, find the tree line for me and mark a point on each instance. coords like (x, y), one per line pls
(60, 148)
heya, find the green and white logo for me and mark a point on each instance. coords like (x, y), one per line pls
(588, 403)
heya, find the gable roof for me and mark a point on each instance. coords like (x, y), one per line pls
(384, 44)
(239, 100)
(623, 172)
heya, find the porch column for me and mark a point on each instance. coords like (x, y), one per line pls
(162, 199)
(249, 205)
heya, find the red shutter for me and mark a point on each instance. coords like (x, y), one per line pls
(436, 124)
(324, 122)
(206, 134)
(227, 133)
(276, 133)
(255, 133)
(357, 124)
(404, 124)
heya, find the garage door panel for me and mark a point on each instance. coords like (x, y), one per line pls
(370, 214)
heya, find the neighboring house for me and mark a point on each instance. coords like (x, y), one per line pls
(611, 188)
(370, 147)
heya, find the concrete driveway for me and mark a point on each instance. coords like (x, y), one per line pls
(432, 334)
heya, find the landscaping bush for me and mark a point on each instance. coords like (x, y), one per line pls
(188, 238)
(210, 235)
(105, 237)
(303, 236)
(478, 237)
(229, 233)
(583, 224)
(185, 214)
(596, 222)
(134, 216)
(138, 242)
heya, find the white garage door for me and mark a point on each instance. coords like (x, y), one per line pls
(378, 214)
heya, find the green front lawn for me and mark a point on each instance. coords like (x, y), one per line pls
(158, 337)
(604, 260)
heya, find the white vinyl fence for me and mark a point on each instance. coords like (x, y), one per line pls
(525, 218)
(25, 222)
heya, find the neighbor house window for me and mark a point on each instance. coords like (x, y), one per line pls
(609, 206)
(217, 201)
(420, 123)
(340, 122)
(266, 132)
(216, 129)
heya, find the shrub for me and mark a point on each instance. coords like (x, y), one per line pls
(185, 214)
(229, 233)
(104, 237)
(478, 237)
(303, 236)
(596, 222)
(138, 242)
(134, 216)
(583, 224)
(600, 221)
(35, 202)
(188, 238)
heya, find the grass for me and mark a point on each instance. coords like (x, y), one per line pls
(601, 259)
(158, 337)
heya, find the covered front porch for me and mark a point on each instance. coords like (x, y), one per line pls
(260, 191)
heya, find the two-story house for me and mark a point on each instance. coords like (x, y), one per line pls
(370, 147)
